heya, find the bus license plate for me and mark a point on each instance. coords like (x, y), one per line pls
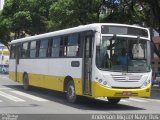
(127, 93)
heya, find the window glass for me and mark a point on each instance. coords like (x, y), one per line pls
(56, 48)
(13, 50)
(73, 46)
(33, 49)
(43, 48)
(24, 50)
(73, 40)
(44, 43)
(123, 54)
(33, 45)
(56, 42)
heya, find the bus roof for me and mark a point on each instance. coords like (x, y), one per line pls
(80, 28)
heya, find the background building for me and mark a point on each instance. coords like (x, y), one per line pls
(156, 59)
(4, 55)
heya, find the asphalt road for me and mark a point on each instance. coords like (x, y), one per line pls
(15, 100)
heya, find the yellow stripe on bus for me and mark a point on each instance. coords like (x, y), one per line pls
(98, 90)
(102, 91)
(47, 81)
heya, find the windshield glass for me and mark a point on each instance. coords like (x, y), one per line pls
(123, 54)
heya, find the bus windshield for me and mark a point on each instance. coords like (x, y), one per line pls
(123, 54)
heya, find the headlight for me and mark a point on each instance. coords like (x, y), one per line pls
(103, 82)
(100, 80)
(146, 83)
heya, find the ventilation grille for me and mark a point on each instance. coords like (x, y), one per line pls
(126, 78)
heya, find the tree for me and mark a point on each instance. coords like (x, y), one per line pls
(142, 12)
(21, 17)
(18, 16)
(151, 10)
(4, 30)
(69, 13)
(39, 10)
(128, 11)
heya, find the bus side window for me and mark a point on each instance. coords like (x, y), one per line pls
(79, 46)
(12, 51)
(24, 52)
(32, 49)
(49, 49)
(73, 45)
(43, 48)
(65, 43)
(56, 46)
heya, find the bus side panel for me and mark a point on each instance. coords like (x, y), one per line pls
(50, 73)
(36, 69)
(12, 75)
(12, 69)
(53, 82)
(62, 67)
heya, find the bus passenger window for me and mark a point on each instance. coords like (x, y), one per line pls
(43, 48)
(13, 51)
(33, 49)
(73, 46)
(56, 47)
(25, 50)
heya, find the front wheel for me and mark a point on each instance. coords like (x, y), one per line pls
(114, 100)
(70, 92)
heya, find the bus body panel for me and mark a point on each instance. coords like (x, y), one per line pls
(45, 73)
(51, 72)
(103, 91)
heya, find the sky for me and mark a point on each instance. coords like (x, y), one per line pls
(1, 4)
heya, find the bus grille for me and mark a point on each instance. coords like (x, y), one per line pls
(126, 78)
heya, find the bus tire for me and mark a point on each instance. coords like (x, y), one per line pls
(25, 82)
(70, 92)
(113, 100)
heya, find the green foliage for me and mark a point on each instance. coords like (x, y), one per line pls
(4, 30)
(69, 13)
(142, 12)
(21, 17)
(21, 21)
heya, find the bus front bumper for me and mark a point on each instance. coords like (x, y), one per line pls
(99, 90)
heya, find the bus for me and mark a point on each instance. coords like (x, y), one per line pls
(83, 61)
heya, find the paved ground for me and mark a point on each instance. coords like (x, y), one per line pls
(13, 99)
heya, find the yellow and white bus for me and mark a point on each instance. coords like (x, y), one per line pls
(84, 61)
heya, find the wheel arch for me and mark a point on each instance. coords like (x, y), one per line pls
(24, 73)
(25, 81)
(66, 80)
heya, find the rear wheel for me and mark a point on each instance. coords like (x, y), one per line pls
(114, 100)
(70, 92)
(26, 82)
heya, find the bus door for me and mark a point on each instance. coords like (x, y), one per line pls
(87, 63)
(17, 62)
